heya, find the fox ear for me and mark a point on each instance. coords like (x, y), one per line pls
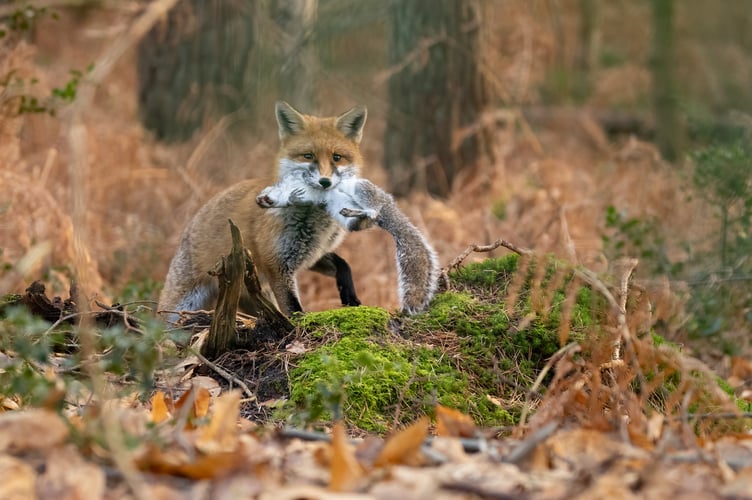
(289, 120)
(351, 123)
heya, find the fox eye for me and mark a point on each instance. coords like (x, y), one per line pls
(336, 157)
(308, 156)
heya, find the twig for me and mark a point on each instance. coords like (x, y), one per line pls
(529, 444)
(539, 380)
(469, 445)
(488, 248)
(629, 267)
(478, 491)
(226, 375)
(729, 415)
(480, 248)
(516, 385)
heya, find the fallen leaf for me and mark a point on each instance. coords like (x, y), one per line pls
(198, 397)
(296, 347)
(453, 423)
(221, 435)
(207, 383)
(404, 447)
(176, 462)
(68, 476)
(201, 402)
(19, 479)
(9, 404)
(345, 469)
(159, 412)
(740, 486)
(655, 427)
(31, 430)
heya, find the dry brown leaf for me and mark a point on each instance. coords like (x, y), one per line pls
(740, 486)
(159, 412)
(18, 479)
(202, 467)
(31, 430)
(296, 347)
(207, 383)
(201, 402)
(345, 469)
(198, 397)
(221, 435)
(404, 447)
(453, 423)
(655, 427)
(68, 476)
(8, 404)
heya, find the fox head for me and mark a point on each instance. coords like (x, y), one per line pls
(322, 150)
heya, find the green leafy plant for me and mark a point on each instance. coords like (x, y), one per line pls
(634, 237)
(723, 176)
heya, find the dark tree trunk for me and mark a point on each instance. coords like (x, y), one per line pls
(586, 47)
(667, 133)
(297, 59)
(437, 94)
(195, 66)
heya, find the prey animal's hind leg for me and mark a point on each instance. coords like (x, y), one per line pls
(334, 266)
(357, 220)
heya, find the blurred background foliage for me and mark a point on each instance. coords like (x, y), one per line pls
(593, 129)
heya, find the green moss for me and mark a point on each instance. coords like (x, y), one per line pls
(490, 272)
(366, 381)
(355, 321)
(9, 299)
(369, 374)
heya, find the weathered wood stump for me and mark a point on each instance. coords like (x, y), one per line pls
(233, 272)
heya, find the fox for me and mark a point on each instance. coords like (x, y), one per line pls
(321, 152)
(357, 204)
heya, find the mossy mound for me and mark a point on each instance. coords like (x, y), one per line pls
(469, 351)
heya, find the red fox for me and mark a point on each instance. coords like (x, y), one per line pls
(321, 152)
(357, 204)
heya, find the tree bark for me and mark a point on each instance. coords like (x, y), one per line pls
(437, 94)
(233, 272)
(586, 47)
(196, 66)
(298, 58)
(667, 133)
(230, 272)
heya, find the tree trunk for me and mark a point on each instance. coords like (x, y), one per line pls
(586, 47)
(298, 58)
(210, 58)
(196, 66)
(667, 133)
(437, 94)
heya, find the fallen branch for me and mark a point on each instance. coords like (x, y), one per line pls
(480, 248)
(227, 376)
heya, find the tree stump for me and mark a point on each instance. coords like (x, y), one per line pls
(233, 272)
